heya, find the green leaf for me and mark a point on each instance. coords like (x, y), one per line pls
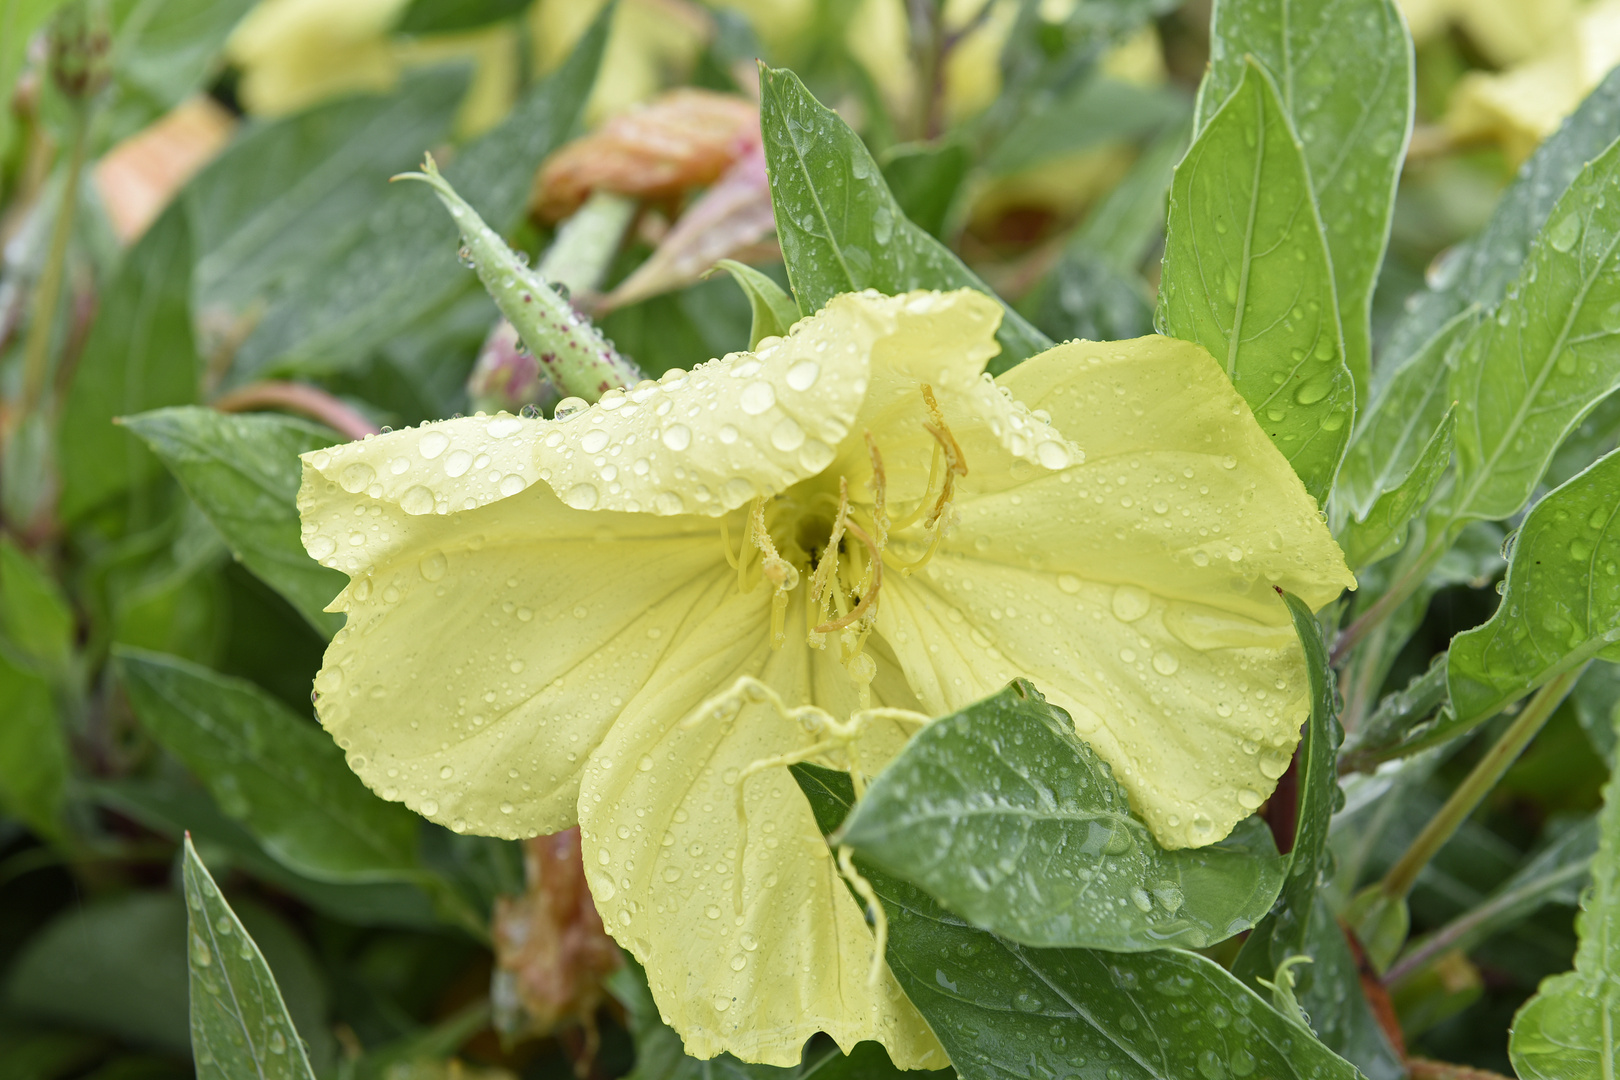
(1382, 531)
(277, 773)
(35, 619)
(400, 269)
(1329, 988)
(163, 51)
(1554, 876)
(1007, 818)
(1390, 440)
(140, 355)
(1560, 604)
(997, 1005)
(841, 229)
(288, 196)
(925, 178)
(33, 750)
(1247, 275)
(1398, 718)
(1098, 110)
(243, 472)
(171, 807)
(1085, 296)
(1526, 377)
(774, 310)
(1479, 271)
(1344, 72)
(449, 16)
(1129, 221)
(239, 1024)
(19, 21)
(1571, 1029)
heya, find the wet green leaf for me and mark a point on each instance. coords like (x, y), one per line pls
(773, 309)
(1526, 377)
(243, 472)
(140, 355)
(290, 194)
(277, 773)
(400, 268)
(1560, 604)
(1344, 72)
(1167, 1014)
(1383, 530)
(841, 229)
(240, 1026)
(1571, 1029)
(1393, 434)
(1007, 818)
(1247, 275)
(1329, 988)
(1479, 271)
(1400, 716)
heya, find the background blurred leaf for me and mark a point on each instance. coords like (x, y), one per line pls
(289, 195)
(34, 615)
(240, 1026)
(1007, 818)
(400, 269)
(1344, 72)
(277, 773)
(1479, 271)
(162, 52)
(19, 21)
(1527, 376)
(1560, 605)
(448, 16)
(140, 355)
(1569, 1028)
(841, 230)
(925, 179)
(1172, 1014)
(1099, 110)
(243, 472)
(1247, 275)
(33, 749)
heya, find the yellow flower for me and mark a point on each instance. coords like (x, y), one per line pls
(857, 518)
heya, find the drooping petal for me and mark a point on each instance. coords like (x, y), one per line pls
(1138, 589)
(710, 440)
(756, 971)
(487, 652)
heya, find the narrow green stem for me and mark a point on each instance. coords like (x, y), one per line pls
(578, 258)
(1399, 591)
(571, 350)
(1472, 791)
(42, 325)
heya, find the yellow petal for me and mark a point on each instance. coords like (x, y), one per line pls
(1137, 589)
(708, 441)
(358, 500)
(487, 652)
(661, 842)
(941, 340)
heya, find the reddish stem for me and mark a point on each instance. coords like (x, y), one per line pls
(301, 398)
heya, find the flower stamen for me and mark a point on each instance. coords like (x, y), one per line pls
(869, 591)
(783, 575)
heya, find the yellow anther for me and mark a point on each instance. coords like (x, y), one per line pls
(783, 575)
(869, 596)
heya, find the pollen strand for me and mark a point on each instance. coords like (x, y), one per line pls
(874, 911)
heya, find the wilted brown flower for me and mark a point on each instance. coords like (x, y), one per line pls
(686, 138)
(551, 953)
